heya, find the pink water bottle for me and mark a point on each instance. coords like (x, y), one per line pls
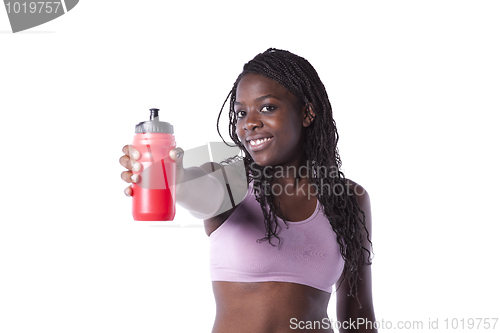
(154, 193)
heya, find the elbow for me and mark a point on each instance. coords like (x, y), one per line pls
(357, 320)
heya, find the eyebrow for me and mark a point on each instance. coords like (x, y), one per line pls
(260, 99)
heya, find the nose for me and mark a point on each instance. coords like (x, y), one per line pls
(252, 121)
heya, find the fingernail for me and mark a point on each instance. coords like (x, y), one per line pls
(136, 166)
(126, 192)
(134, 178)
(135, 155)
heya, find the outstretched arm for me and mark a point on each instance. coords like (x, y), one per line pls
(205, 191)
(348, 310)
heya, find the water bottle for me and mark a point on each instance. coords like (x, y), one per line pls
(154, 193)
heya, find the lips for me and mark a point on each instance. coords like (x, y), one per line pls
(260, 142)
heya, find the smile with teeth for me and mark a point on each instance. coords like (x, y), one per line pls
(259, 141)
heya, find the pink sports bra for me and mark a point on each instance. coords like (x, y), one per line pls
(309, 253)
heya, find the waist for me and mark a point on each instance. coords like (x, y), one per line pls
(267, 306)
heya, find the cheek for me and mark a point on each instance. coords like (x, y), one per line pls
(291, 131)
(240, 131)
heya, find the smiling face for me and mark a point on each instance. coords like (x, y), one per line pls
(270, 124)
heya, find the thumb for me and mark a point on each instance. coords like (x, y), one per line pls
(177, 155)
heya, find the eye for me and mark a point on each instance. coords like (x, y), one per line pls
(240, 114)
(268, 108)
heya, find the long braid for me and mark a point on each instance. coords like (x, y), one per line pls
(342, 210)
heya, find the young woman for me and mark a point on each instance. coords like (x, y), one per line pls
(279, 248)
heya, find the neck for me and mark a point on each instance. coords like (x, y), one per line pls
(296, 172)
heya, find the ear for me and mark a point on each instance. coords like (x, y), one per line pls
(308, 115)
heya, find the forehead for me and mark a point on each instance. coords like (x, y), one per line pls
(252, 86)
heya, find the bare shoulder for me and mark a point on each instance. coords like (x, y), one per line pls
(360, 192)
(362, 198)
(356, 188)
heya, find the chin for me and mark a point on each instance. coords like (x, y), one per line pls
(266, 158)
(260, 162)
(265, 163)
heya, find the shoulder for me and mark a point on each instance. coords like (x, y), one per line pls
(356, 188)
(358, 191)
(362, 198)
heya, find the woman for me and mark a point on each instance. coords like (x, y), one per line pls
(278, 248)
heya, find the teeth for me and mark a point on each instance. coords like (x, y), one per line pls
(258, 141)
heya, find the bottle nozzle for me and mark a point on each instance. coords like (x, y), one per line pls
(154, 114)
(154, 125)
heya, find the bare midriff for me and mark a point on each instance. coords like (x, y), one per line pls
(268, 307)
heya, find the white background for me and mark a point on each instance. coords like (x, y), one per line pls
(415, 91)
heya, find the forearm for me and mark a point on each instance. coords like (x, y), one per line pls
(200, 193)
(361, 322)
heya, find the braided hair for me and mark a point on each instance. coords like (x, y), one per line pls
(340, 207)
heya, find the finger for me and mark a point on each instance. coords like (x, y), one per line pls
(130, 164)
(129, 150)
(126, 176)
(135, 178)
(177, 155)
(134, 153)
(130, 177)
(128, 191)
(126, 162)
(136, 166)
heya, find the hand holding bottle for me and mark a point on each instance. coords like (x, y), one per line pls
(151, 170)
(196, 191)
(155, 169)
(130, 162)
